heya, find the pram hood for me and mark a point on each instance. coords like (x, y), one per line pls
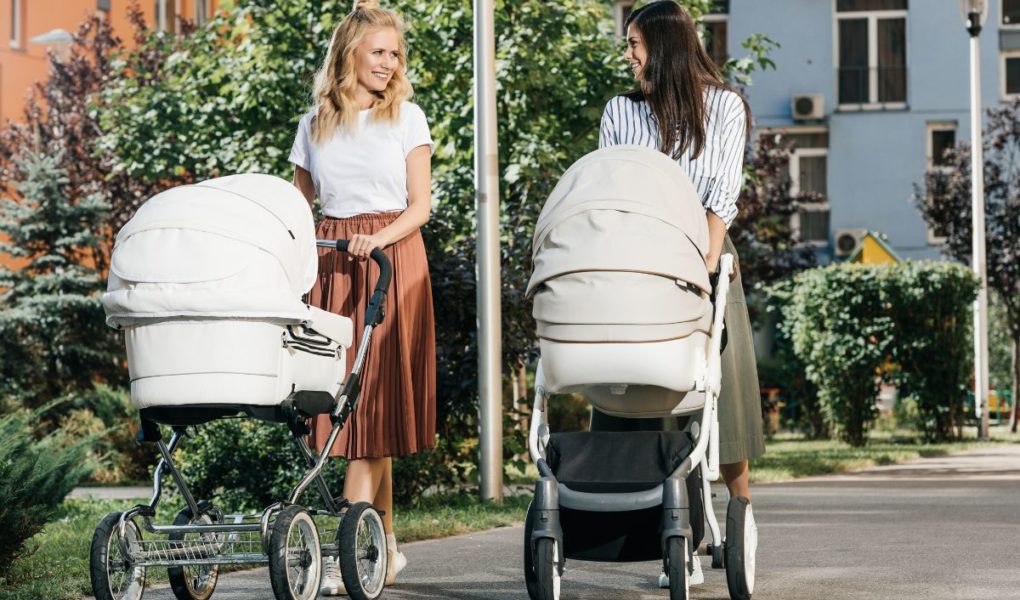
(619, 252)
(623, 208)
(241, 246)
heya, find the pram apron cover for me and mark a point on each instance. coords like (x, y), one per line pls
(620, 285)
(206, 281)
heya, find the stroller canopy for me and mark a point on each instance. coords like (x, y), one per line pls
(241, 246)
(619, 251)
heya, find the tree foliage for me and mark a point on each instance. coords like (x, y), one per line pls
(53, 339)
(854, 325)
(945, 202)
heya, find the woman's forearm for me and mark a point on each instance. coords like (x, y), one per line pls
(716, 236)
(413, 217)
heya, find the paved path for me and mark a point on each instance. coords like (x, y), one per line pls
(945, 528)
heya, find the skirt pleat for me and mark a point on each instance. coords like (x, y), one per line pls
(396, 411)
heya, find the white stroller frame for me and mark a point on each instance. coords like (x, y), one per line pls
(284, 535)
(591, 183)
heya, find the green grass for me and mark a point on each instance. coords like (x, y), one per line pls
(791, 458)
(56, 561)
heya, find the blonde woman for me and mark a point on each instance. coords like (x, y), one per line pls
(365, 151)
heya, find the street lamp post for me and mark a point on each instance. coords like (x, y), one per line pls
(974, 13)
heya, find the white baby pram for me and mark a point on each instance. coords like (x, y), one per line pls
(206, 282)
(627, 317)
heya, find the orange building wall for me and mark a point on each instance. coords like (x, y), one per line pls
(25, 64)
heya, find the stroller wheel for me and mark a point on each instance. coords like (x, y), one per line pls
(295, 561)
(530, 578)
(741, 545)
(361, 542)
(718, 561)
(113, 578)
(676, 568)
(195, 582)
(547, 572)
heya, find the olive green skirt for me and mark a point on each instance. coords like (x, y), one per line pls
(740, 425)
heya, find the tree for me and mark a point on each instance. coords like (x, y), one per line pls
(54, 342)
(945, 202)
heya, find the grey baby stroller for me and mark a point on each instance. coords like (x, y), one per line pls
(627, 317)
(206, 282)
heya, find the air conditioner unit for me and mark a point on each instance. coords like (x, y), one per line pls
(807, 107)
(848, 241)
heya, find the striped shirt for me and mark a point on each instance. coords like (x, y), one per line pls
(717, 173)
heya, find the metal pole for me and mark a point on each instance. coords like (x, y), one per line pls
(490, 381)
(977, 200)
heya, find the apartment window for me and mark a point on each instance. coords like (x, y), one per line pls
(941, 136)
(16, 23)
(621, 12)
(1011, 74)
(715, 31)
(1011, 13)
(872, 53)
(167, 12)
(808, 172)
(103, 5)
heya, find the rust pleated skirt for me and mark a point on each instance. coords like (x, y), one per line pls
(396, 412)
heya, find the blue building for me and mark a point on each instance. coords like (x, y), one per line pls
(870, 92)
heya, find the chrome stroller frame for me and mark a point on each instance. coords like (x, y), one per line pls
(544, 536)
(263, 538)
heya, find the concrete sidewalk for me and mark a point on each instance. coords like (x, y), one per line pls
(939, 529)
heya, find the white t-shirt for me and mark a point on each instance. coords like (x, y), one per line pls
(364, 171)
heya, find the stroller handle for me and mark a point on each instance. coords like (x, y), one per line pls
(374, 315)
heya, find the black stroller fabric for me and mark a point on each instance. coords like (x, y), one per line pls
(619, 462)
(615, 462)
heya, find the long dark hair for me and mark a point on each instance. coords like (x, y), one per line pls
(675, 75)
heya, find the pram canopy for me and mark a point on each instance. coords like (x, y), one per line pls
(619, 251)
(241, 246)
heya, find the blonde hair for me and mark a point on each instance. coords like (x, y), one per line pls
(336, 81)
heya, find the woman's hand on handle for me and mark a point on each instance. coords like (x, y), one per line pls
(360, 245)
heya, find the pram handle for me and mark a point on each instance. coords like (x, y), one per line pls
(374, 315)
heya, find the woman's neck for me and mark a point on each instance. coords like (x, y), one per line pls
(363, 98)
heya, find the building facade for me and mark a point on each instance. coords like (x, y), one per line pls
(23, 55)
(870, 92)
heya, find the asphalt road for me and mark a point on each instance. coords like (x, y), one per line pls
(946, 528)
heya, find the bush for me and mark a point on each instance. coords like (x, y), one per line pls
(35, 476)
(853, 325)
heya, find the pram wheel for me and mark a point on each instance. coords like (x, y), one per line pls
(361, 543)
(195, 582)
(718, 561)
(676, 568)
(547, 573)
(741, 544)
(295, 557)
(113, 578)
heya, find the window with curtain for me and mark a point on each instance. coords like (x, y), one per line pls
(166, 15)
(15, 24)
(201, 11)
(872, 46)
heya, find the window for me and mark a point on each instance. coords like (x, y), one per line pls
(1011, 74)
(16, 23)
(103, 5)
(166, 15)
(941, 135)
(621, 12)
(715, 31)
(1011, 13)
(872, 53)
(808, 172)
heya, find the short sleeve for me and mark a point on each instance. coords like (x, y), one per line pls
(299, 151)
(416, 129)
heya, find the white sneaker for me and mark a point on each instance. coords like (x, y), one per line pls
(332, 583)
(396, 561)
(695, 578)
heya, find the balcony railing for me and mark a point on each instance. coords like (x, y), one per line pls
(872, 85)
